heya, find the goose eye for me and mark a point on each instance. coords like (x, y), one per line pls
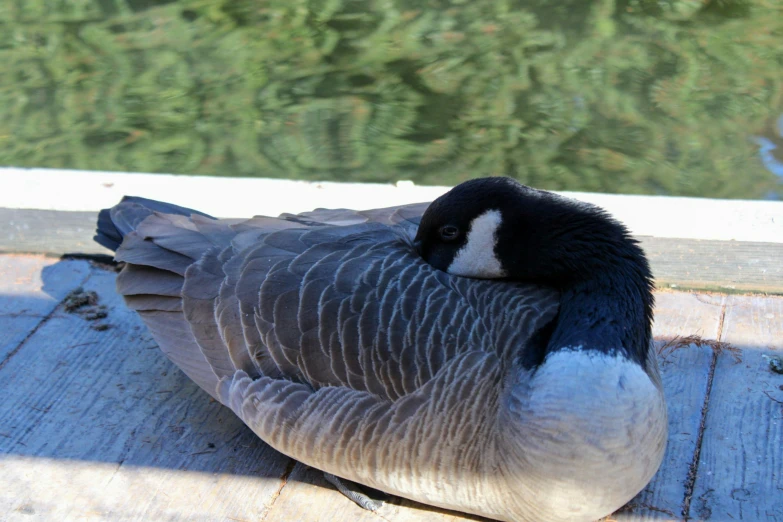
(449, 233)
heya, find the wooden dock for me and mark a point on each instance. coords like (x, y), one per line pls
(96, 424)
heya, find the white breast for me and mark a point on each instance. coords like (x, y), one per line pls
(591, 430)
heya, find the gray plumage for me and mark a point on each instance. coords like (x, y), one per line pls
(336, 343)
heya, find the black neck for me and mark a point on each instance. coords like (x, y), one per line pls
(609, 312)
(600, 270)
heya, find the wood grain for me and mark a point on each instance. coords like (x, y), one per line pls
(26, 300)
(740, 475)
(100, 425)
(685, 374)
(726, 266)
(48, 232)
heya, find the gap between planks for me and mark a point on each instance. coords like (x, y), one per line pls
(693, 470)
(283, 482)
(283, 485)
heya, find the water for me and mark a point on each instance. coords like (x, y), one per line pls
(678, 97)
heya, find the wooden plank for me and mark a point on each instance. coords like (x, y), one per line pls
(726, 266)
(685, 373)
(30, 289)
(48, 232)
(740, 474)
(100, 425)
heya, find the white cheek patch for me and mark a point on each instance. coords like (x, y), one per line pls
(477, 258)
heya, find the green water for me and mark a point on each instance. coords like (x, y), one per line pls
(645, 96)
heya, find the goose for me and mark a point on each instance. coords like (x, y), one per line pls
(488, 353)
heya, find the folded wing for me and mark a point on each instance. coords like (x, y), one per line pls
(325, 331)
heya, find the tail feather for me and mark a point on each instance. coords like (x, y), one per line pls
(117, 222)
(158, 242)
(140, 280)
(172, 333)
(137, 250)
(107, 235)
(175, 234)
(151, 302)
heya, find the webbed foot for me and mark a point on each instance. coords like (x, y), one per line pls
(356, 492)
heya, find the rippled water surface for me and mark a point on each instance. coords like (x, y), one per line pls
(646, 96)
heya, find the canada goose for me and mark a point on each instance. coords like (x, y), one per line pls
(343, 341)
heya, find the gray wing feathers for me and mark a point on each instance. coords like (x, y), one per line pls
(402, 443)
(173, 334)
(138, 279)
(245, 308)
(137, 250)
(151, 302)
(371, 316)
(199, 293)
(324, 338)
(404, 214)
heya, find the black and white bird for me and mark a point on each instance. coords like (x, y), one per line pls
(488, 353)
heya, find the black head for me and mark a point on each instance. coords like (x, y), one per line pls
(499, 228)
(495, 227)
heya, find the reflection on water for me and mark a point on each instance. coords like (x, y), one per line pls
(636, 96)
(771, 152)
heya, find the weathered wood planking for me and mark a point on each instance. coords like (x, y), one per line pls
(687, 263)
(100, 425)
(685, 373)
(726, 266)
(48, 232)
(740, 474)
(26, 300)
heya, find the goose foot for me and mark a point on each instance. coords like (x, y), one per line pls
(354, 492)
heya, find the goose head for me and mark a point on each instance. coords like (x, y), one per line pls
(583, 410)
(498, 228)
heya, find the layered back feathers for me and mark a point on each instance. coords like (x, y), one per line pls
(324, 298)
